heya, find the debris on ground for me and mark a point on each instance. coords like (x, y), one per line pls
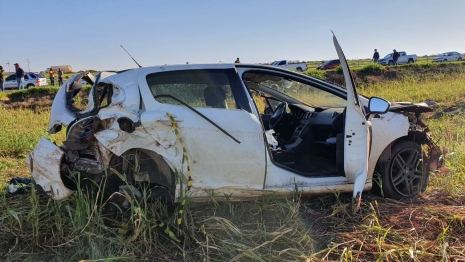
(18, 185)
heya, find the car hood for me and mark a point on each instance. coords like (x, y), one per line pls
(427, 106)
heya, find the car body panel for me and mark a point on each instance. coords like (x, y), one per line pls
(201, 139)
(44, 162)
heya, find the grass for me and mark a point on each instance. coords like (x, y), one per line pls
(427, 228)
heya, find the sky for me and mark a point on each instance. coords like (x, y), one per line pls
(87, 34)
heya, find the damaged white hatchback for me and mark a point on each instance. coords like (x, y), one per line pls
(232, 130)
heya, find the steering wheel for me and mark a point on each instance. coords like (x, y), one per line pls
(278, 115)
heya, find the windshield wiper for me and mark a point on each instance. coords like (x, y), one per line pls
(202, 115)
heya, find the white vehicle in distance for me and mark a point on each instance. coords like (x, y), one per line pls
(30, 80)
(448, 56)
(403, 59)
(294, 64)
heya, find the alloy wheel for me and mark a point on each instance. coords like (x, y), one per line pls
(407, 172)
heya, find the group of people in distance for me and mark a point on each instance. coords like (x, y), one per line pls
(19, 77)
(51, 74)
(395, 56)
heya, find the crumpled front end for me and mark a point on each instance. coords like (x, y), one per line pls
(418, 130)
(44, 163)
(107, 146)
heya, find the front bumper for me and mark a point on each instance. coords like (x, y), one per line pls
(44, 163)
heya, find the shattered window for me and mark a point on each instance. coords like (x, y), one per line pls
(197, 88)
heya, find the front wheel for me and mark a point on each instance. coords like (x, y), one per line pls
(445, 60)
(405, 174)
(391, 63)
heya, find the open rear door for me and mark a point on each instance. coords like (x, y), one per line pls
(356, 132)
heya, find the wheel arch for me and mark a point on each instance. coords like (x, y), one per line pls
(419, 137)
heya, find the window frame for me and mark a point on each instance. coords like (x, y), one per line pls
(237, 89)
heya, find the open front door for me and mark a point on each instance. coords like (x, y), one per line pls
(356, 132)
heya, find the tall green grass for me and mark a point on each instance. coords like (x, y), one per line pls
(22, 129)
(447, 90)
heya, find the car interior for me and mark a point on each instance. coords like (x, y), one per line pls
(308, 131)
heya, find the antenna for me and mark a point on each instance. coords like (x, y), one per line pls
(130, 56)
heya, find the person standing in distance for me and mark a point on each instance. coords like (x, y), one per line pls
(60, 77)
(237, 61)
(1, 78)
(376, 56)
(51, 74)
(395, 56)
(19, 76)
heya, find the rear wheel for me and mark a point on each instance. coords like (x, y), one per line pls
(299, 69)
(460, 59)
(410, 61)
(29, 85)
(405, 174)
(391, 63)
(445, 60)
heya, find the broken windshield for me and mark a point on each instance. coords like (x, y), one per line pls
(303, 92)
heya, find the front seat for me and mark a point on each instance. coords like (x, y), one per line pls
(215, 97)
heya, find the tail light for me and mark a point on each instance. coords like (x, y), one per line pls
(38, 81)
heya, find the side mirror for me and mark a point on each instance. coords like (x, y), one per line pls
(377, 105)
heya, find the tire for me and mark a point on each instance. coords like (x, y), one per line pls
(405, 174)
(410, 61)
(445, 60)
(29, 85)
(299, 69)
(459, 59)
(391, 63)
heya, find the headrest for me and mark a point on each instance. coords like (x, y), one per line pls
(215, 97)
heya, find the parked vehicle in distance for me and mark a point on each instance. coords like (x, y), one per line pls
(294, 64)
(448, 56)
(30, 80)
(330, 64)
(403, 59)
(168, 128)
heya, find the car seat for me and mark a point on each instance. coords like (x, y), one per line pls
(215, 97)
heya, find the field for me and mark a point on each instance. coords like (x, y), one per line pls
(427, 228)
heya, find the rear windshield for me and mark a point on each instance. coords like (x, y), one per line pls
(39, 75)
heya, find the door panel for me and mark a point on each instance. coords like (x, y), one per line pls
(356, 132)
(216, 160)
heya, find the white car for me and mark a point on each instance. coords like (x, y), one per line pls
(448, 57)
(403, 59)
(199, 127)
(288, 64)
(30, 80)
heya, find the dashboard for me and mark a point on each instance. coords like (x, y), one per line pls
(317, 122)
